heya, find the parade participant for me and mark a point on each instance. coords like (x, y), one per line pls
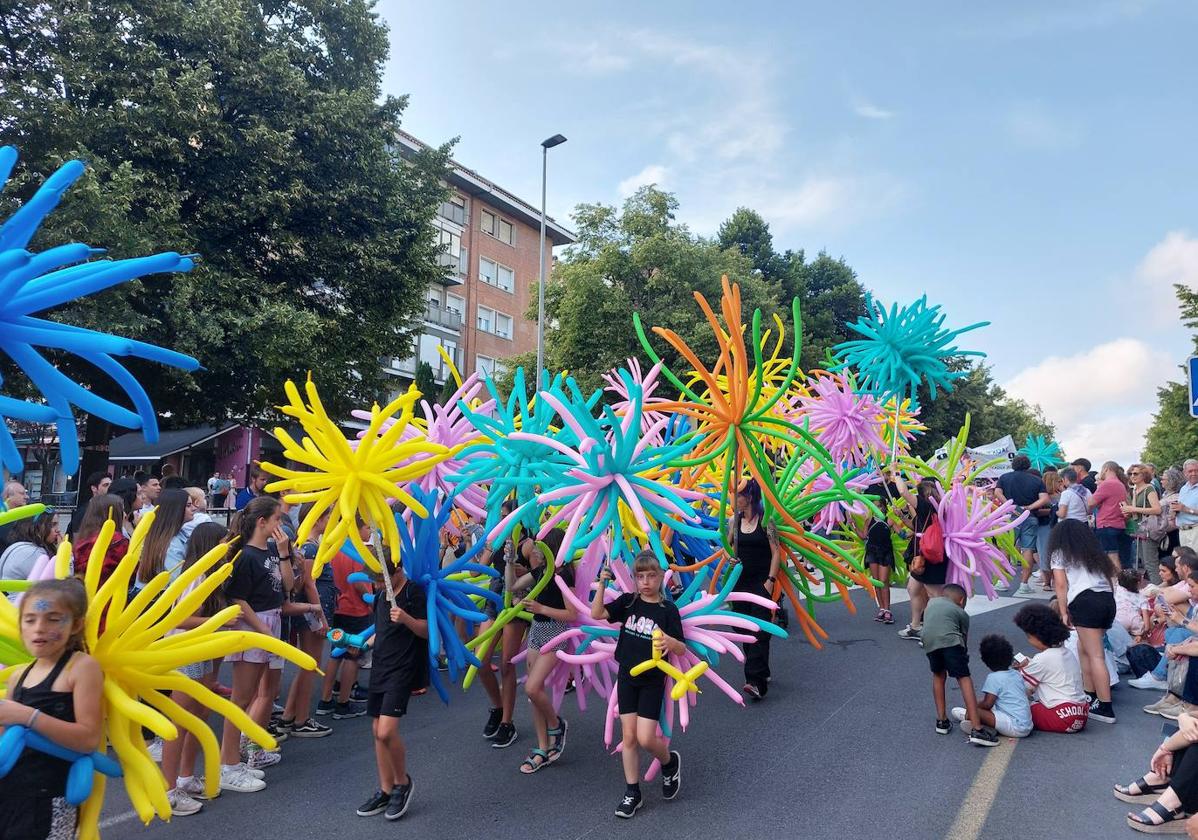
(648, 623)
(58, 697)
(925, 580)
(499, 727)
(1054, 674)
(353, 617)
(756, 549)
(879, 556)
(946, 643)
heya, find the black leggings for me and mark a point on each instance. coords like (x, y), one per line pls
(1184, 780)
(757, 654)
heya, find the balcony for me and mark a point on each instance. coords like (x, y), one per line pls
(439, 316)
(455, 268)
(406, 368)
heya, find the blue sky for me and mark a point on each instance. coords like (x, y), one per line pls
(1027, 163)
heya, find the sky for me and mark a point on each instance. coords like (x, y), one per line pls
(1030, 164)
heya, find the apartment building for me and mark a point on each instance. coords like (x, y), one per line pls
(477, 311)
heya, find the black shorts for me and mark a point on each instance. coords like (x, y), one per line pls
(953, 659)
(36, 817)
(880, 560)
(393, 702)
(1093, 610)
(642, 698)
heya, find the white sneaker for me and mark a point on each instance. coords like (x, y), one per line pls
(1149, 680)
(1023, 591)
(155, 750)
(182, 805)
(238, 780)
(194, 787)
(957, 713)
(257, 774)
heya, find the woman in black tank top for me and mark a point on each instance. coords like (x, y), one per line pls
(757, 552)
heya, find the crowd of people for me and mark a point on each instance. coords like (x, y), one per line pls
(1116, 553)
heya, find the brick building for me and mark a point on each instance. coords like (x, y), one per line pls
(477, 311)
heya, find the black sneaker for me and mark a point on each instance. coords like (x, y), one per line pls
(505, 736)
(629, 805)
(401, 798)
(943, 727)
(310, 729)
(277, 731)
(984, 737)
(348, 710)
(671, 776)
(358, 693)
(1102, 712)
(493, 721)
(325, 707)
(376, 804)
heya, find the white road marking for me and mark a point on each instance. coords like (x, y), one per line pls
(975, 808)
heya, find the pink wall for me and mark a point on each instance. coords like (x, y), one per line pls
(236, 449)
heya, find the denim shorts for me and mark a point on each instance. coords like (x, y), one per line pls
(1025, 533)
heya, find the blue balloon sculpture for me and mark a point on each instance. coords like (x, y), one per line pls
(16, 739)
(33, 283)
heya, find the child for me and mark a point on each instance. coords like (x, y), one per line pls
(1004, 705)
(400, 663)
(1131, 607)
(945, 636)
(879, 554)
(640, 615)
(1054, 673)
(352, 615)
(57, 696)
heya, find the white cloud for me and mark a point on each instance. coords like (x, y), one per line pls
(654, 173)
(1173, 260)
(871, 112)
(592, 58)
(1100, 399)
(1032, 126)
(826, 200)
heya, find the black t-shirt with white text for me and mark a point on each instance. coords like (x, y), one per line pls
(638, 619)
(256, 578)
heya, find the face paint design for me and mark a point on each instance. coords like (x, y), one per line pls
(41, 605)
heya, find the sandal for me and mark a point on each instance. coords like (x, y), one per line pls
(1143, 792)
(1171, 822)
(535, 761)
(558, 734)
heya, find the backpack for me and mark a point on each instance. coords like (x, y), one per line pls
(931, 542)
(1152, 526)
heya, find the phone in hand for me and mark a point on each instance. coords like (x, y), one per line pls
(1021, 660)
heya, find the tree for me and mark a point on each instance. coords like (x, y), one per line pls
(253, 133)
(1173, 435)
(637, 259)
(426, 382)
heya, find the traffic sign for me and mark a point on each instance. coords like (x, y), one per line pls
(1192, 376)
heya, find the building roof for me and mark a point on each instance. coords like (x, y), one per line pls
(474, 184)
(133, 446)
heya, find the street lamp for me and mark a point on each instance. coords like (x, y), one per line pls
(546, 145)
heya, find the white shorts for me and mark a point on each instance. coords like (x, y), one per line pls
(1006, 726)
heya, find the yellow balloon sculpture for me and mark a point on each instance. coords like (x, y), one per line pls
(682, 682)
(130, 641)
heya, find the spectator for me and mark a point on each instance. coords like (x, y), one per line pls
(1171, 482)
(1059, 703)
(214, 489)
(1084, 477)
(1074, 496)
(149, 487)
(97, 485)
(1185, 507)
(125, 489)
(99, 510)
(1045, 523)
(1027, 491)
(13, 496)
(1004, 705)
(30, 540)
(1108, 500)
(254, 487)
(174, 510)
(1144, 520)
(1170, 785)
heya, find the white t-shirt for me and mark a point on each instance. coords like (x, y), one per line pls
(1079, 577)
(1059, 677)
(1074, 500)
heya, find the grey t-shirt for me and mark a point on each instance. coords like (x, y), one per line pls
(1074, 500)
(945, 625)
(18, 561)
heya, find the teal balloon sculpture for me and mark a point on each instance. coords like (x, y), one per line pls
(1043, 453)
(33, 283)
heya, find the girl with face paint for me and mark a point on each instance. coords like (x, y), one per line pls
(57, 696)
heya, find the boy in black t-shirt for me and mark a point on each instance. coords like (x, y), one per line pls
(400, 663)
(640, 614)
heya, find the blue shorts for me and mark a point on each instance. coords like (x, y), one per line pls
(1025, 533)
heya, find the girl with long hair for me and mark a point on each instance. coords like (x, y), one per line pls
(757, 551)
(173, 511)
(28, 542)
(99, 510)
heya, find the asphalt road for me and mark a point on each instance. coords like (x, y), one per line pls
(843, 747)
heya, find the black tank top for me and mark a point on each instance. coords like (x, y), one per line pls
(755, 555)
(35, 773)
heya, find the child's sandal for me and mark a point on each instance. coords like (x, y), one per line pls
(1171, 822)
(1139, 791)
(535, 761)
(558, 736)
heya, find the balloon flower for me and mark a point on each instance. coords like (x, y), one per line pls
(901, 348)
(1043, 453)
(848, 424)
(970, 523)
(34, 283)
(351, 478)
(135, 645)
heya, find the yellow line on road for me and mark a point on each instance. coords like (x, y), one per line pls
(982, 793)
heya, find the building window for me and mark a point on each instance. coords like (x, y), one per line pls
(484, 365)
(454, 209)
(499, 228)
(503, 325)
(455, 303)
(494, 274)
(486, 319)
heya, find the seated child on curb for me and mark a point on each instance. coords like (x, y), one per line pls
(1004, 705)
(1054, 674)
(945, 636)
(1131, 607)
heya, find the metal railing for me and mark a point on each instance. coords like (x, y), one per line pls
(442, 317)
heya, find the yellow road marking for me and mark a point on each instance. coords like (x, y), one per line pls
(982, 793)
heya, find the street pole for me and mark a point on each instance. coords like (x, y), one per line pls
(546, 145)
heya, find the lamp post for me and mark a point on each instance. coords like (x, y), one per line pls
(546, 145)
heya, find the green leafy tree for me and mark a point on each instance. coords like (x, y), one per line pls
(254, 134)
(1173, 435)
(426, 382)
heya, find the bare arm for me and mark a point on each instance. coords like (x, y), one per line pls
(418, 626)
(81, 735)
(598, 607)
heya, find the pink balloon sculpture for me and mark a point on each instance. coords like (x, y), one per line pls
(848, 424)
(970, 523)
